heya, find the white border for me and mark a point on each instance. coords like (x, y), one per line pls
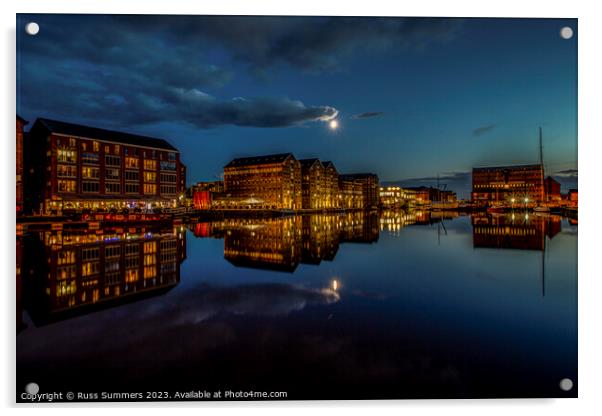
(590, 111)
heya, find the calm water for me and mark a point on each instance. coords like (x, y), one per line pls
(321, 307)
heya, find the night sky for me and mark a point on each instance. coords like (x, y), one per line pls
(414, 98)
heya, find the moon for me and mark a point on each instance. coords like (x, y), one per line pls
(334, 124)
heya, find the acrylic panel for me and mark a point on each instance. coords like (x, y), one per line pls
(295, 208)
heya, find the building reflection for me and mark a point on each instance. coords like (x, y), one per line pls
(281, 244)
(520, 231)
(69, 273)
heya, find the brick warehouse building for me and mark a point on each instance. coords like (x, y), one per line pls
(522, 184)
(271, 181)
(19, 163)
(74, 167)
(359, 190)
(312, 184)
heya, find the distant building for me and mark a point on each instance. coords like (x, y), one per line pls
(418, 195)
(391, 196)
(313, 188)
(75, 167)
(205, 193)
(19, 164)
(508, 184)
(359, 190)
(331, 185)
(573, 197)
(552, 189)
(271, 181)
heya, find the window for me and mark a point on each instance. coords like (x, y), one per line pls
(89, 268)
(66, 171)
(150, 247)
(112, 160)
(131, 162)
(90, 186)
(132, 175)
(171, 156)
(90, 173)
(112, 251)
(66, 186)
(150, 176)
(168, 165)
(168, 177)
(132, 188)
(96, 146)
(117, 148)
(132, 249)
(90, 253)
(65, 257)
(66, 155)
(84, 147)
(150, 164)
(150, 189)
(131, 275)
(165, 189)
(112, 174)
(90, 158)
(112, 188)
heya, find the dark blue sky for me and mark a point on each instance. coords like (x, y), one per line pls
(414, 97)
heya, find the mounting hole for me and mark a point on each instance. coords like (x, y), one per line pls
(566, 384)
(32, 28)
(566, 32)
(32, 388)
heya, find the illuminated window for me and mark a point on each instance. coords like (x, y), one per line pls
(66, 155)
(131, 275)
(90, 268)
(66, 171)
(150, 189)
(150, 176)
(150, 247)
(66, 186)
(150, 164)
(90, 173)
(150, 259)
(131, 162)
(95, 146)
(150, 272)
(65, 257)
(117, 148)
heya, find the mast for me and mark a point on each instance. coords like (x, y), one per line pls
(543, 191)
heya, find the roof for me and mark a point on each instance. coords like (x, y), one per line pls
(78, 130)
(259, 160)
(22, 119)
(309, 162)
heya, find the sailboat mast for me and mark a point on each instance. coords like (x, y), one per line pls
(543, 192)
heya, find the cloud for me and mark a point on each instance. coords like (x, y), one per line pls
(479, 131)
(567, 173)
(123, 71)
(368, 114)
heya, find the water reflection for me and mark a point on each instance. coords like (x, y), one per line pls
(283, 243)
(74, 272)
(380, 305)
(519, 231)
